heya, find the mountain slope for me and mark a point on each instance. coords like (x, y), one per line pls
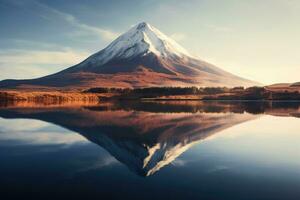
(141, 57)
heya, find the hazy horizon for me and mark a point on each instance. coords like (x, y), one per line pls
(257, 40)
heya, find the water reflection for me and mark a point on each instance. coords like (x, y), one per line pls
(150, 135)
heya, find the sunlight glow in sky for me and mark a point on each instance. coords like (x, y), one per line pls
(256, 39)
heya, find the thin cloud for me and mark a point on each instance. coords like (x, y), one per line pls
(217, 28)
(72, 20)
(178, 36)
(32, 59)
(35, 63)
(22, 71)
(50, 13)
(23, 44)
(41, 57)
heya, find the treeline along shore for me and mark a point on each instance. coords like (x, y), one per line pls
(154, 93)
(206, 93)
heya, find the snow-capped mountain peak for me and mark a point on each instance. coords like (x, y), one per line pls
(158, 42)
(140, 40)
(141, 57)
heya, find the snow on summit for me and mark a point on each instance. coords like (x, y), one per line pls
(140, 40)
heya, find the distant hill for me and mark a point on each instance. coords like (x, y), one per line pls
(290, 87)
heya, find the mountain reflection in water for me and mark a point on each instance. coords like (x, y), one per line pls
(146, 136)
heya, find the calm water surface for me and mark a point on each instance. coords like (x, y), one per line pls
(166, 150)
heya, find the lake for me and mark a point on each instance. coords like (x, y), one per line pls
(151, 150)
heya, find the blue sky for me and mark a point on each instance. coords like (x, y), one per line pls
(256, 39)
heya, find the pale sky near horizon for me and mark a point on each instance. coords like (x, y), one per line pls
(255, 39)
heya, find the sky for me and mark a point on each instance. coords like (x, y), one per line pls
(255, 39)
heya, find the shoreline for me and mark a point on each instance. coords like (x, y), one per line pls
(212, 100)
(96, 95)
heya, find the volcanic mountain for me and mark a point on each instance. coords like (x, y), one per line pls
(141, 57)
